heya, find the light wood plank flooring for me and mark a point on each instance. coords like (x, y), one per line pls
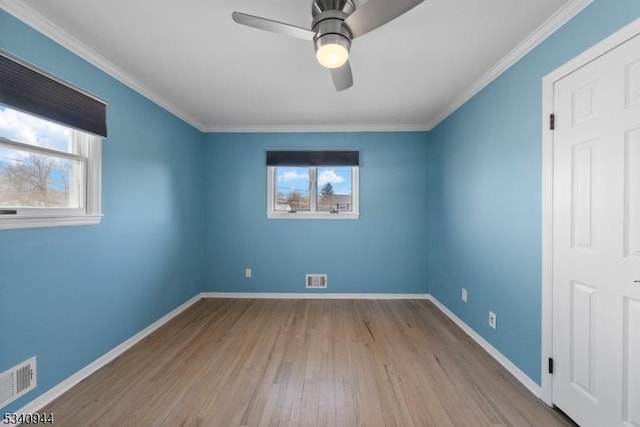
(304, 363)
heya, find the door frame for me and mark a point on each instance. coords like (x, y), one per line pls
(626, 33)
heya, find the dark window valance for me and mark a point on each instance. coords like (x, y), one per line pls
(25, 88)
(313, 158)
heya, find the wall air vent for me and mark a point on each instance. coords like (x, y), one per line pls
(316, 281)
(17, 381)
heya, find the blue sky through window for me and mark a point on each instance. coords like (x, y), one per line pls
(289, 178)
(28, 129)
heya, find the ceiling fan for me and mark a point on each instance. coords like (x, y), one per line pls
(335, 23)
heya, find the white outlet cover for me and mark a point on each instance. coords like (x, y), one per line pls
(247, 272)
(493, 320)
(464, 295)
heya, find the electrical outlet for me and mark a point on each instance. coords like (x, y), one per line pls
(493, 320)
(247, 272)
(464, 295)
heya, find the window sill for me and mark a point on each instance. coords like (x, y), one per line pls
(51, 221)
(306, 215)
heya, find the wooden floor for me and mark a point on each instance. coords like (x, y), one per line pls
(304, 363)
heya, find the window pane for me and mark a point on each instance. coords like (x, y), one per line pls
(334, 189)
(292, 189)
(28, 129)
(36, 180)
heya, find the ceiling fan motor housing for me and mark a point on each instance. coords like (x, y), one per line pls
(328, 22)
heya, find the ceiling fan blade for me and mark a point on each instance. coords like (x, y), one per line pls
(342, 77)
(375, 13)
(273, 26)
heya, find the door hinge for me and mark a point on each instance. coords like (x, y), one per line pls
(551, 365)
(552, 122)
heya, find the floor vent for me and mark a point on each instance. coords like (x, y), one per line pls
(17, 381)
(316, 281)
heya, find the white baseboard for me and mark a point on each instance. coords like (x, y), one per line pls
(309, 295)
(506, 363)
(52, 394)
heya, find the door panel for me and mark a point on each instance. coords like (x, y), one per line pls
(596, 240)
(632, 194)
(633, 84)
(583, 339)
(631, 397)
(585, 103)
(582, 197)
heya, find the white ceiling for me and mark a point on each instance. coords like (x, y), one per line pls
(191, 58)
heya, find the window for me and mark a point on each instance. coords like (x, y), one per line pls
(49, 170)
(49, 173)
(315, 184)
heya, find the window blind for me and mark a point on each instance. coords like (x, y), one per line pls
(26, 88)
(313, 158)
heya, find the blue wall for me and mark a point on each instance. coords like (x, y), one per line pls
(485, 192)
(68, 295)
(383, 251)
(459, 206)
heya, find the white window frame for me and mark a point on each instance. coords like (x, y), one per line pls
(87, 149)
(313, 189)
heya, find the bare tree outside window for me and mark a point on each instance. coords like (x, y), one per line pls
(296, 200)
(50, 174)
(292, 189)
(313, 192)
(35, 181)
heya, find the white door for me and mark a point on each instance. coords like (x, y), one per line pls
(596, 240)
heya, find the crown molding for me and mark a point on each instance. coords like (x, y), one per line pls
(44, 26)
(66, 40)
(550, 26)
(316, 128)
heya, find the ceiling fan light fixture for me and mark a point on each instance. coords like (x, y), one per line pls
(332, 50)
